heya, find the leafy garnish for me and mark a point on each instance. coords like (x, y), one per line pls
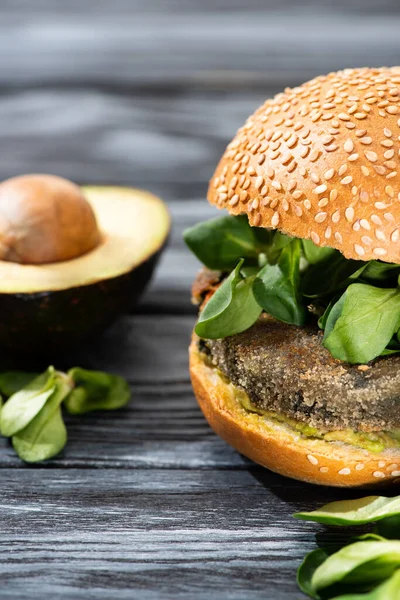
(365, 319)
(219, 243)
(354, 512)
(96, 390)
(389, 590)
(231, 309)
(276, 287)
(367, 562)
(32, 415)
(357, 302)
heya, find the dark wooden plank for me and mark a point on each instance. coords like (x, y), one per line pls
(152, 534)
(180, 43)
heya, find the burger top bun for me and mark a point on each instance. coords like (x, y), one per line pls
(321, 162)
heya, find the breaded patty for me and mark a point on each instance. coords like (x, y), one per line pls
(285, 369)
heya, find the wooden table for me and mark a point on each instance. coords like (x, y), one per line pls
(147, 502)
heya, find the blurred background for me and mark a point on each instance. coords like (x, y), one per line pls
(148, 92)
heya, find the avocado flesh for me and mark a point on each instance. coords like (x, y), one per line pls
(134, 226)
(375, 442)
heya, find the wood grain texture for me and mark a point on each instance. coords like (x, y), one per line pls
(147, 502)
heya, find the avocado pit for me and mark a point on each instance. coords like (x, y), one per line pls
(45, 219)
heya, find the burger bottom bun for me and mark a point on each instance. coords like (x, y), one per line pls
(278, 447)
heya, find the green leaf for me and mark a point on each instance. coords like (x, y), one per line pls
(331, 275)
(220, 243)
(333, 311)
(361, 563)
(230, 310)
(354, 512)
(276, 287)
(307, 569)
(369, 318)
(315, 254)
(96, 390)
(378, 272)
(389, 527)
(46, 435)
(13, 381)
(389, 590)
(22, 407)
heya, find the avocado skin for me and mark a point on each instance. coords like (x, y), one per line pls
(36, 325)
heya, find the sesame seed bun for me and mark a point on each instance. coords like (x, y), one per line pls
(321, 162)
(280, 448)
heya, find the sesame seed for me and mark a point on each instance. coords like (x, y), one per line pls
(388, 216)
(258, 182)
(277, 185)
(342, 170)
(380, 251)
(333, 195)
(378, 474)
(371, 156)
(323, 202)
(315, 177)
(395, 473)
(243, 196)
(329, 174)
(390, 191)
(255, 204)
(380, 235)
(304, 151)
(297, 194)
(345, 471)
(275, 219)
(359, 250)
(366, 240)
(312, 459)
(261, 159)
(380, 205)
(338, 237)
(395, 235)
(307, 204)
(387, 143)
(353, 157)
(328, 232)
(257, 220)
(336, 216)
(387, 132)
(321, 189)
(375, 219)
(366, 140)
(291, 185)
(388, 154)
(343, 117)
(320, 217)
(390, 164)
(270, 172)
(331, 148)
(359, 467)
(392, 110)
(381, 464)
(315, 237)
(365, 225)
(364, 170)
(346, 180)
(234, 200)
(314, 155)
(298, 210)
(349, 214)
(324, 469)
(349, 146)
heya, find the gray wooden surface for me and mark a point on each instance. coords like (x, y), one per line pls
(148, 503)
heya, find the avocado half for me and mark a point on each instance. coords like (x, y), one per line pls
(49, 308)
